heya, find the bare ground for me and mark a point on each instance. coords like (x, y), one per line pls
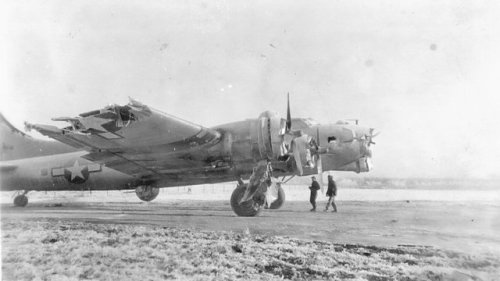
(196, 240)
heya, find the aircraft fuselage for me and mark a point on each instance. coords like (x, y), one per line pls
(236, 153)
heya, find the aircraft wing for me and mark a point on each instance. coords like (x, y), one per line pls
(135, 139)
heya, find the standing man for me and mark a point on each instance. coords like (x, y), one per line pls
(331, 193)
(314, 193)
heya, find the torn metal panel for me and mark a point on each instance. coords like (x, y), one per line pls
(133, 125)
(135, 139)
(57, 134)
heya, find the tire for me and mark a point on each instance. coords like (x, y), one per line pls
(278, 203)
(21, 201)
(245, 209)
(147, 193)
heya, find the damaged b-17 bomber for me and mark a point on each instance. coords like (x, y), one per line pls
(137, 147)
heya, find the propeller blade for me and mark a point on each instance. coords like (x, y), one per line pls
(317, 137)
(288, 115)
(296, 157)
(372, 135)
(320, 169)
(319, 150)
(319, 166)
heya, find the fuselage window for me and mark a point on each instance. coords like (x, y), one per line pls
(332, 138)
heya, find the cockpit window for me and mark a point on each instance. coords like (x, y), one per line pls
(332, 138)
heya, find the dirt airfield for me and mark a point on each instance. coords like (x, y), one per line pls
(112, 235)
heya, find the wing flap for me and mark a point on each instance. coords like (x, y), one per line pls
(151, 164)
(122, 164)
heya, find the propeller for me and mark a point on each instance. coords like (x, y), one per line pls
(366, 141)
(288, 115)
(372, 136)
(368, 138)
(302, 145)
(318, 160)
(317, 137)
(299, 149)
(296, 156)
(298, 143)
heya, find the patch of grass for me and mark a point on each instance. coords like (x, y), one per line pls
(54, 250)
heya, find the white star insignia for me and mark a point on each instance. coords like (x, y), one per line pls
(76, 171)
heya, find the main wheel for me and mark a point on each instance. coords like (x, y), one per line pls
(278, 203)
(21, 200)
(245, 209)
(146, 192)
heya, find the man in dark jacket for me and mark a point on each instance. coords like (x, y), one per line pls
(331, 193)
(314, 193)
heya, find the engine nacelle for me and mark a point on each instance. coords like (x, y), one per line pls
(269, 130)
(347, 156)
(360, 166)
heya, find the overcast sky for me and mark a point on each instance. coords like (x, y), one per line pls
(425, 73)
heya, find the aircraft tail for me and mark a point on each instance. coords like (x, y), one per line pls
(14, 144)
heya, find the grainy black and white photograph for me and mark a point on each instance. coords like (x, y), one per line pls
(250, 140)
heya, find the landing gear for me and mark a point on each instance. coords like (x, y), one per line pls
(278, 203)
(147, 192)
(21, 200)
(249, 208)
(248, 199)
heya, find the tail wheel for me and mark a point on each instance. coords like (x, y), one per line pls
(21, 200)
(147, 192)
(245, 209)
(278, 203)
